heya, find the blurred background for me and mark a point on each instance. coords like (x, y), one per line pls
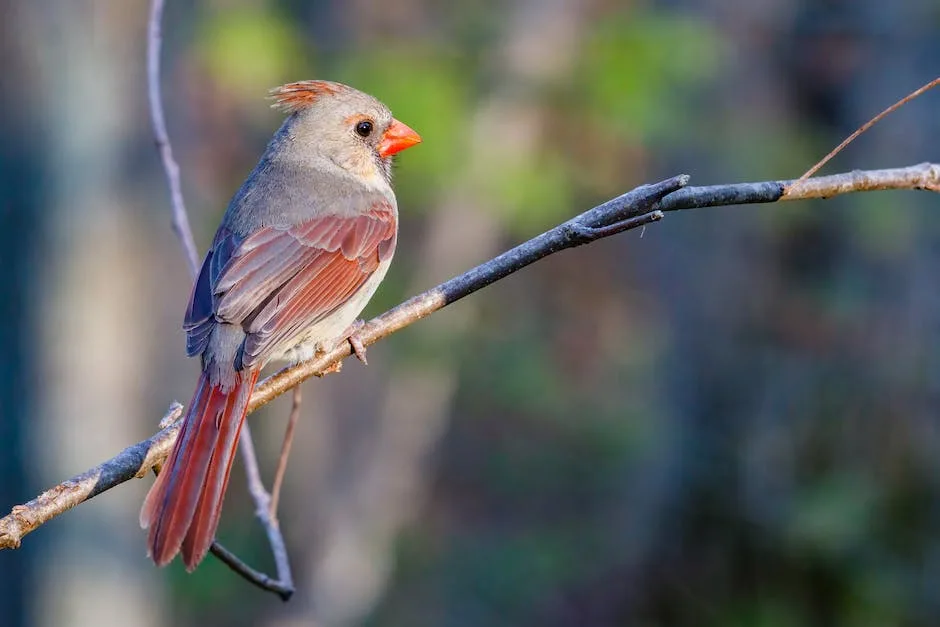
(730, 419)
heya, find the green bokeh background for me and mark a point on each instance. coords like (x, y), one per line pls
(729, 419)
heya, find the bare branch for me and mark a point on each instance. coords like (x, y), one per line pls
(180, 217)
(285, 452)
(263, 511)
(634, 209)
(137, 460)
(924, 176)
(281, 589)
(134, 461)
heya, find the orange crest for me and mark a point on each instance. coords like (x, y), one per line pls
(294, 97)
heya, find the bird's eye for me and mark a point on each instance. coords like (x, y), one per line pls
(364, 128)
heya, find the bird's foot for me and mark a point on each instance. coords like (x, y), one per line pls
(352, 336)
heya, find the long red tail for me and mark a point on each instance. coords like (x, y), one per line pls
(183, 506)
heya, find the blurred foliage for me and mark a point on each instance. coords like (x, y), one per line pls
(565, 493)
(638, 69)
(435, 93)
(247, 49)
(731, 421)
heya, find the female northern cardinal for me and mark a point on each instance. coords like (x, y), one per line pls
(300, 251)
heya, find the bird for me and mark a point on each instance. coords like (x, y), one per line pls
(300, 250)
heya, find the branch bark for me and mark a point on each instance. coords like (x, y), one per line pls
(641, 206)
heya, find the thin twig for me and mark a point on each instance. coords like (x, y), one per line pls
(645, 202)
(285, 453)
(162, 138)
(867, 125)
(262, 510)
(258, 578)
(184, 232)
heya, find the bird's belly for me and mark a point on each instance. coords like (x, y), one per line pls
(326, 333)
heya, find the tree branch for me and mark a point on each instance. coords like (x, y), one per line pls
(284, 585)
(285, 452)
(284, 589)
(162, 138)
(923, 176)
(134, 461)
(637, 208)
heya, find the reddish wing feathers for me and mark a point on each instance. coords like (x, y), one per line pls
(345, 252)
(279, 282)
(275, 284)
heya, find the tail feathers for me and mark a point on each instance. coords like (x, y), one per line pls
(183, 506)
(206, 518)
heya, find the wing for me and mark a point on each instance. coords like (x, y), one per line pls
(277, 282)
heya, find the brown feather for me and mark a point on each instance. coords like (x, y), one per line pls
(280, 281)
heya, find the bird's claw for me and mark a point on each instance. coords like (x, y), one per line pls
(355, 341)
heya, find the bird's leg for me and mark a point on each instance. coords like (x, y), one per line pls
(351, 335)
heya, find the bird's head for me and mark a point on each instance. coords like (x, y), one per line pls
(336, 122)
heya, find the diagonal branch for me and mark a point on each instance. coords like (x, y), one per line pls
(137, 460)
(639, 207)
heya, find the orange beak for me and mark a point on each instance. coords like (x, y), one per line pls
(398, 137)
